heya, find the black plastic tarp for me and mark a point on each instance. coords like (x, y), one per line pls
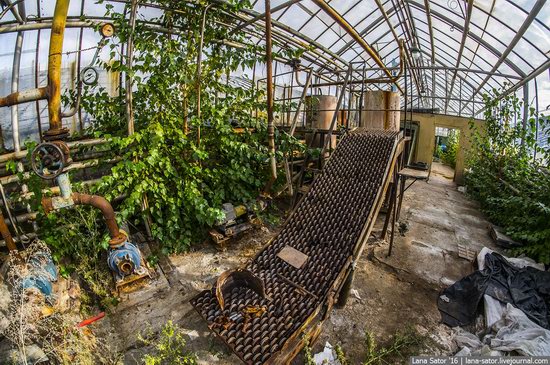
(528, 289)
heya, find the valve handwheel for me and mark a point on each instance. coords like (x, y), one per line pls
(48, 160)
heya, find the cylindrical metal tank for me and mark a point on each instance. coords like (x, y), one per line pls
(320, 110)
(381, 110)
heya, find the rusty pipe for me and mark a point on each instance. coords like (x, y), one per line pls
(4, 230)
(99, 202)
(199, 71)
(391, 80)
(54, 68)
(24, 96)
(269, 79)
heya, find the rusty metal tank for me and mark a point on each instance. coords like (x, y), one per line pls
(381, 110)
(320, 110)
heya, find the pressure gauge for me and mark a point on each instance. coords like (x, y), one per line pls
(89, 75)
(107, 30)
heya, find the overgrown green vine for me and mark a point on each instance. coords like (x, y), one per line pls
(184, 178)
(509, 173)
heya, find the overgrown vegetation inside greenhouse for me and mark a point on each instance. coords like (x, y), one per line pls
(299, 182)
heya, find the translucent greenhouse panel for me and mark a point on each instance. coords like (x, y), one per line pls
(368, 21)
(525, 57)
(485, 59)
(7, 47)
(480, 12)
(488, 38)
(313, 28)
(31, 7)
(504, 34)
(75, 8)
(330, 37)
(539, 36)
(543, 18)
(295, 17)
(343, 6)
(93, 9)
(444, 8)
(510, 15)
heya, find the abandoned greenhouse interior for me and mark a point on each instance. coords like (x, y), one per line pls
(274, 182)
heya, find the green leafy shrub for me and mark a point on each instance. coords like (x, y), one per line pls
(449, 155)
(508, 174)
(185, 165)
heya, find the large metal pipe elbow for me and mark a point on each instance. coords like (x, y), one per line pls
(108, 212)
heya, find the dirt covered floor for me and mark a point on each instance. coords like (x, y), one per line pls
(389, 294)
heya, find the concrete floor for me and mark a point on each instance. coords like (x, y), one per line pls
(392, 292)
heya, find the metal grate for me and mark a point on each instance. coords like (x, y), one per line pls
(327, 226)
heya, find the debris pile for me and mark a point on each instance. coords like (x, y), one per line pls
(515, 295)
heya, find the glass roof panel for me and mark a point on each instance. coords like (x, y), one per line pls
(494, 24)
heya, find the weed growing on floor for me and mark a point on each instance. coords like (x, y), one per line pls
(402, 345)
(397, 350)
(169, 348)
(308, 355)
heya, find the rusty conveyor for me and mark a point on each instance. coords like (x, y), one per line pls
(330, 226)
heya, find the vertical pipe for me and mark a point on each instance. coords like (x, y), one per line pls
(15, 88)
(198, 76)
(525, 111)
(460, 100)
(361, 97)
(80, 38)
(54, 67)
(129, 62)
(269, 69)
(536, 117)
(434, 88)
(36, 84)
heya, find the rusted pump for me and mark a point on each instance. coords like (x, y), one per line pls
(49, 160)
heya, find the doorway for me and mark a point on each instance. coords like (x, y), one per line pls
(445, 152)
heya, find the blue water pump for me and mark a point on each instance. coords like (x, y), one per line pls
(41, 273)
(124, 260)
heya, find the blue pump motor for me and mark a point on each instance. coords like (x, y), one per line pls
(124, 260)
(41, 273)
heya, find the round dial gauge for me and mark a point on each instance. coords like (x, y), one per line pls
(89, 75)
(107, 30)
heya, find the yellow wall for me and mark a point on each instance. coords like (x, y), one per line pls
(426, 138)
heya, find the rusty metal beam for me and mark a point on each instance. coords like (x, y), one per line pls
(430, 28)
(269, 76)
(24, 96)
(353, 33)
(465, 31)
(261, 16)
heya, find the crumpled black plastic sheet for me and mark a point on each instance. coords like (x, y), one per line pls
(528, 289)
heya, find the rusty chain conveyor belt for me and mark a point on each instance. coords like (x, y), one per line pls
(328, 228)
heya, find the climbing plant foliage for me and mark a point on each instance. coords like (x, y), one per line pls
(509, 173)
(184, 165)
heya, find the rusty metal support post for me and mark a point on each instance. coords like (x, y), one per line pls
(198, 76)
(300, 102)
(15, 90)
(129, 76)
(269, 70)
